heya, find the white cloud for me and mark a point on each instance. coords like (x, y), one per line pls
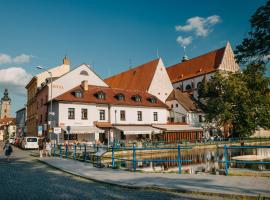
(201, 26)
(184, 41)
(7, 59)
(14, 78)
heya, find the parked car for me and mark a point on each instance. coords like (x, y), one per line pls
(11, 140)
(30, 143)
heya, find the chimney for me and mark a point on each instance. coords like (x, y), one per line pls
(85, 85)
(66, 61)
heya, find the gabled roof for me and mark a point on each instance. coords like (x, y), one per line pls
(138, 78)
(7, 121)
(203, 64)
(185, 100)
(89, 96)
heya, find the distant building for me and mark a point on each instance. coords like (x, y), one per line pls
(5, 106)
(189, 73)
(32, 88)
(7, 128)
(21, 122)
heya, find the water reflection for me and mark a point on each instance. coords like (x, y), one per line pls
(202, 160)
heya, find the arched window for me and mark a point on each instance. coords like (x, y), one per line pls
(188, 87)
(137, 98)
(100, 95)
(153, 99)
(120, 97)
(78, 94)
(84, 73)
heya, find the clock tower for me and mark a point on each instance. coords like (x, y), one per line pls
(5, 106)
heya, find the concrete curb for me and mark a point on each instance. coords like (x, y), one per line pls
(158, 188)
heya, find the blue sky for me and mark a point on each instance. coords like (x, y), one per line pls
(110, 35)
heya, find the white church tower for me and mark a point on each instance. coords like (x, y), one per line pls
(5, 106)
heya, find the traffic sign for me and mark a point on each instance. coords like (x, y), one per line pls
(57, 130)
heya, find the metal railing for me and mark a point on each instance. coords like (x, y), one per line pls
(227, 161)
(134, 160)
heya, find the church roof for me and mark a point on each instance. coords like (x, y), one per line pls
(203, 64)
(5, 97)
(138, 78)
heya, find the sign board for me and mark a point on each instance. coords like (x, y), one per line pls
(57, 130)
(39, 130)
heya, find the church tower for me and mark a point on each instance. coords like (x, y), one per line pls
(5, 106)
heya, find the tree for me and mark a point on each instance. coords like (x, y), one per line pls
(238, 100)
(256, 47)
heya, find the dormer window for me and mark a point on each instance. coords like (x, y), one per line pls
(100, 95)
(120, 97)
(137, 98)
(78, 94)
(84, 73)
(153, 99)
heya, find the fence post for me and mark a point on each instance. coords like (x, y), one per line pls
(84, 152)
(226, 159)
(134, 157)
(54, 149)
(113, 164)
(66, 151)
(74, 154)
(61, 151)
(179, 160)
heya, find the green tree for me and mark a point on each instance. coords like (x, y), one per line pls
(257, 45)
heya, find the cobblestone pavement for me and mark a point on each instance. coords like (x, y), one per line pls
(25, 178)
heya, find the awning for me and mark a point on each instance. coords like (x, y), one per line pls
(138, 130)
(84, 130)
(177, 128)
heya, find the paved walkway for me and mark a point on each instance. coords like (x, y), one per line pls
(222, 185)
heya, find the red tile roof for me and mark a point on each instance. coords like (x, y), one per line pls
(7, 121)
(203, 64)
(138, 78)
(89, 96)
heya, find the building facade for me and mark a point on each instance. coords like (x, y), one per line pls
(21, 129)
(5, 106)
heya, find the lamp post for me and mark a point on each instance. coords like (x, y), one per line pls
(50, 113)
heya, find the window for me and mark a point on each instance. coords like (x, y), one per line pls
(172, 105)
(199, 85)
(122, 115)
(71, 113)
(184, 119)
(152, 100)
(155, 116)
(84, 113)
(188, 87)
(137, 98)
(139, 114)
(101, 114)
(200, 118)
(176, 105)
(78, 94)
(85, 73)
(120, 97)
(100, 95)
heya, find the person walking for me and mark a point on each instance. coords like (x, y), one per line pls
(40, 147)
(8, 150)
(48, 150)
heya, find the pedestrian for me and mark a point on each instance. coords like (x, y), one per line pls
(40, 147)
(8, 150)
(48, 150)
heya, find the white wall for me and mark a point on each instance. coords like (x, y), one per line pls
(132, 118)
(73, 79)
(93, 114)
(161, 85)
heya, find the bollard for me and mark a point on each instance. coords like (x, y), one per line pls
(134, 157)
(66, 151)
(113, 164)
(74, 155)
(226, 159)
(61, 151)
(84, 152)
(179, 160)
(54, 147)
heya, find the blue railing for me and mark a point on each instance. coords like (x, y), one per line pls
(227, 161)
(134, 160)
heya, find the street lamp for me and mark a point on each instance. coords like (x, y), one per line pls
(50, 113)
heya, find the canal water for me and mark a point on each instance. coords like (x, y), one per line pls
(201, 160)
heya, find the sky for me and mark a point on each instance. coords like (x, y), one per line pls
(111, 35)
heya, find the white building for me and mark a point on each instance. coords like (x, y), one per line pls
(93, 113)
(189, 74)
(184, 109)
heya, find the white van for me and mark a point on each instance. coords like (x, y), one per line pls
(30, 143)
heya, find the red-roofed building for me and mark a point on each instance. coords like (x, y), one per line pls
(188, 74)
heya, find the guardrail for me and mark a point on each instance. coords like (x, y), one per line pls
(134, 160)
(227, 161)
